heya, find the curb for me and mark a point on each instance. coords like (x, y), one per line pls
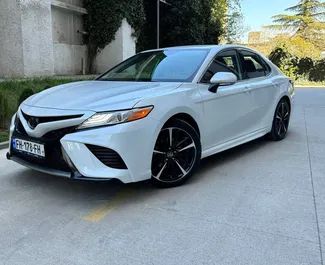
(4, 145)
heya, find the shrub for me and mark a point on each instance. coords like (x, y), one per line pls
(24, 95)
(4, 112)
(299, 47)
(278, 54)
(287, 62)
(305, 66)
(289, 69)
(318, 72)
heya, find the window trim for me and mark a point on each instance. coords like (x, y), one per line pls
(262, 59)
(212, 60)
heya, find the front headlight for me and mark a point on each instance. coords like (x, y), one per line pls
(116, 117)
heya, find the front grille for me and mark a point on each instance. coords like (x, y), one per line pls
(107, 156)
(57, 134)
(51, 140)
(53, 160)
(51, 119)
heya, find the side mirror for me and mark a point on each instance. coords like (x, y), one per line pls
(222, 79)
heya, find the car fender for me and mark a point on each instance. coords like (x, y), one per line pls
(180, 101)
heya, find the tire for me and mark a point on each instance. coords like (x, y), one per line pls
(281, 120)
(175, 158)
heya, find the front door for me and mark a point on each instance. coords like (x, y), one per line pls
(227, 113)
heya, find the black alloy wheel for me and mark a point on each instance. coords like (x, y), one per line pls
(176, 155)
(281, 121)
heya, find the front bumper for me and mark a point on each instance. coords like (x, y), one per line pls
(50, 171)
(133, 142)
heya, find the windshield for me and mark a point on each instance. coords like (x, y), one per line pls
(159, 66)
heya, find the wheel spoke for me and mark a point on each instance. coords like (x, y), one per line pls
(278, 117)
(187, 147)
(279, 128)
(181, 168)
(159, 152)
(282, 109)
(161, 171)
(286, 116)
(170, 137)
(284, 127)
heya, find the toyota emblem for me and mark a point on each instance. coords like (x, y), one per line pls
(33, 122)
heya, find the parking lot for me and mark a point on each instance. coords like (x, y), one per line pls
(260, 203)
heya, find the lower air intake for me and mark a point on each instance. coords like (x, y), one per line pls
(107, 156)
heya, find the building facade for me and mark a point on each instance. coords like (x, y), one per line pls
(45, 37)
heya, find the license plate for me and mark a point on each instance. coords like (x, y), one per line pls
(28, 147)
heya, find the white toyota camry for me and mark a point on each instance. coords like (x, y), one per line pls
(154, 116)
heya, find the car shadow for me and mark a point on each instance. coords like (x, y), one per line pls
(235, 153)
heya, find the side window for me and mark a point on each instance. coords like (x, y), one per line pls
(227, 61)
(254, 66)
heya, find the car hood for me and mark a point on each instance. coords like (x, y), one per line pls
(98, 95)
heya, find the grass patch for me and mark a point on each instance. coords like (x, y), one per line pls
(304, 81)
(4, 136)
(12, 89)
(307, 83)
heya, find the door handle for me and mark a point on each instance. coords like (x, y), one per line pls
(275, 84)
(247, 89)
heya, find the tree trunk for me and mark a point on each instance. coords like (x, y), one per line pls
(92, 52)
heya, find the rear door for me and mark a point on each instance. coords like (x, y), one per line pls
(262, 91)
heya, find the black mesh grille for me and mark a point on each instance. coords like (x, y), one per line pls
(51, 119)
(107, 156)
(57, 134)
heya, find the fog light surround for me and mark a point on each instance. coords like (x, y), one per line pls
(67, 159)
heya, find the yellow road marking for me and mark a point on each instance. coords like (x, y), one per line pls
(105, 208)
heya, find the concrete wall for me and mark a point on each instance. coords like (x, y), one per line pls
(25, 38)
(120, 49)
(70, 53)
(11, 50)
(65, 27)
(37, 37)
(73, 2)
(40, 37)
(69, 59)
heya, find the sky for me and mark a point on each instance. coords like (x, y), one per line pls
(259, 12)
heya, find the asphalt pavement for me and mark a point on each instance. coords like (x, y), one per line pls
(260, 203)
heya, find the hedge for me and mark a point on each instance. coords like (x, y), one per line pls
(298, 68)
(13, 92)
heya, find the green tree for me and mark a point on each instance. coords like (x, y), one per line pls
(307, 18)
(234, 21)
(187, 22)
